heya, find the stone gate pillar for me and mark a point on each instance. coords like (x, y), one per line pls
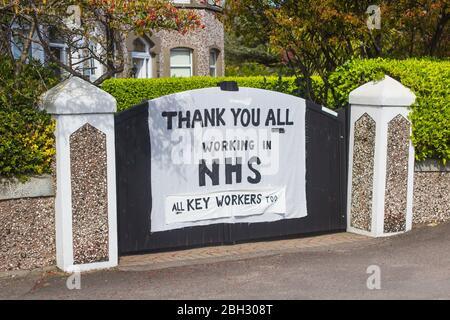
(86, 227)
(381, 159)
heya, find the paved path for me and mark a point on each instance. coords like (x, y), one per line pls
(232, 252)
(415, 265)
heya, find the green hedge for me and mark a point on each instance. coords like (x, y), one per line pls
(129, 92)
(429, 79)
(26, 134)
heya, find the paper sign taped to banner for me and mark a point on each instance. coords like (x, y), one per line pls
(236, 203)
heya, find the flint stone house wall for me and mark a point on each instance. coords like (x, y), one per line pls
(431, 193)
(201, 41)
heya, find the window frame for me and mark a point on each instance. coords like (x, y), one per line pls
(146, 58)
(181, 66)
(63, 47)
(216, 53)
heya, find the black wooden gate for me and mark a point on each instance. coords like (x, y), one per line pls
(326, 185)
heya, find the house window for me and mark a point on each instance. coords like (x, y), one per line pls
(16, 41)
(16, 46)
(181, 62)
(213, 57)
(59, 51)
(57, 45)
(141, 59)
(89, 66)
(92, 66)
(139, 45)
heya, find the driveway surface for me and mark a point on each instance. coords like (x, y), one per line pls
(415, 265)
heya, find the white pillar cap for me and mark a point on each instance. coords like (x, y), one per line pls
(387, 92)
(77, 96)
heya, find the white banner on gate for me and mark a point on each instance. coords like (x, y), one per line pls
(236, 203)
(210, 142)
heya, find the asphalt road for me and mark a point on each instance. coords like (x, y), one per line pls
(412, 266)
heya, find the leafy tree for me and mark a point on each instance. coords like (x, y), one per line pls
(315, 37)
(89, 28)
(417, 28)
(247, 41)
(238, 49)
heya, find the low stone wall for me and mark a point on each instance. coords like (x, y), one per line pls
(27, 228)
(27, 215)
(431, 193)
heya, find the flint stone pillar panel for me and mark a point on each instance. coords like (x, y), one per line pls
(88, 169)
(381, 159)
(86, 223)
(362, 177)
(396, 192)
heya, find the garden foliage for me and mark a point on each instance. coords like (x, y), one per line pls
(26, 134)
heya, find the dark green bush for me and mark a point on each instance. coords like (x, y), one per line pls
(247, 69)
(129, 92)
(26, 134)
(429, 79)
